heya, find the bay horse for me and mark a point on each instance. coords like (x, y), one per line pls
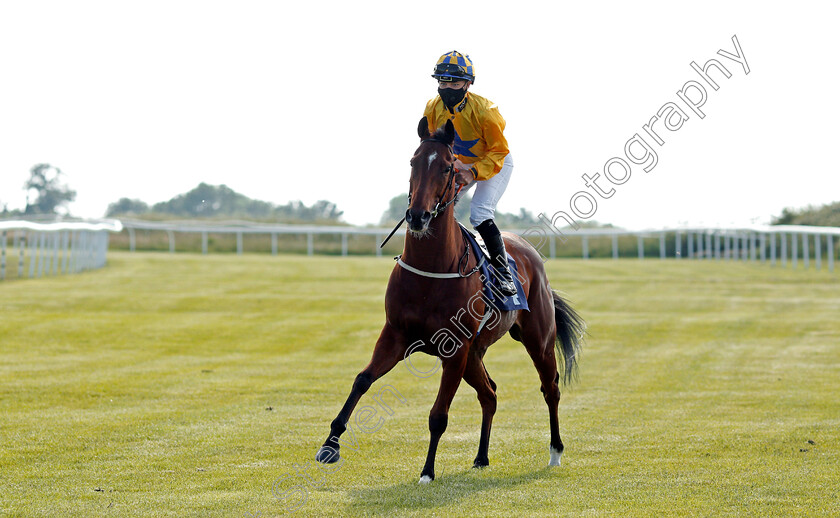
(419, 306)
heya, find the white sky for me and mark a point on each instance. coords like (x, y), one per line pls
(320, 100)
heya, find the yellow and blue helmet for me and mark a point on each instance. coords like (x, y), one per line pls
(454, 66)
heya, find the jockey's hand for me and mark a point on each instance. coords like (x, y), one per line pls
(463, 175)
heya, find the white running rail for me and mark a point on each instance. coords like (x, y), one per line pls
(779, 244)
(54, 248)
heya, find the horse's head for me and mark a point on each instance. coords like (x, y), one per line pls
(432, 176)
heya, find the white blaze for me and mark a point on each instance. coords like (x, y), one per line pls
(432, 158)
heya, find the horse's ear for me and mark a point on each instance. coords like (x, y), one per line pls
(449, 132)
(423, 128)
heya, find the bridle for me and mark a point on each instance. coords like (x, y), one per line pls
(439, 209)
(440, 206)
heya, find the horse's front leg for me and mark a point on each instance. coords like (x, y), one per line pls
(453, 372)
(389, 350)
(476, 376)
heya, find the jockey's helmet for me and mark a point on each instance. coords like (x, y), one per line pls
(454, 66)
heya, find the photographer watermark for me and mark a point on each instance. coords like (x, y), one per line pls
(639, 149)
(292, 489)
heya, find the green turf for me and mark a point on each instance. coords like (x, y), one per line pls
(186, 385)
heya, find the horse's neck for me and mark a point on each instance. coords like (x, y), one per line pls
(438, 252)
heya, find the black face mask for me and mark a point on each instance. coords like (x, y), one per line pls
(452, 97)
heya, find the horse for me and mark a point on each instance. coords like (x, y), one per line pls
(430, 290)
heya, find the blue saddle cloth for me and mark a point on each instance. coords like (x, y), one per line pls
(488, 278)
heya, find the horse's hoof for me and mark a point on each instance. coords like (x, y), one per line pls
(481, 463)
(425, 479)
(554, 460)
(327, 455)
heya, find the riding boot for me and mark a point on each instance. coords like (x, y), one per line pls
(498, 257)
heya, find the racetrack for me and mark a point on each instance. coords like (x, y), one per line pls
(187, 385)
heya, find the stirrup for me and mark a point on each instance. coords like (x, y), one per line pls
(505, 279)
(506, 284)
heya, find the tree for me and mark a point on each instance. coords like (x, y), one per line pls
(824, 216)
(396, 210)
(50, 192)
(126, 206)
(210, 201)
(525, 219)
(321, 210)
(326, 210)
(786, 218)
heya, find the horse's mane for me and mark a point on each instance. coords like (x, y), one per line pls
(445, 134)
(439, 135)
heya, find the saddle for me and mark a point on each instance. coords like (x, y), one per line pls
(489, 278)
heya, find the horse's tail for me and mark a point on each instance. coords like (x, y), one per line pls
(570, 331)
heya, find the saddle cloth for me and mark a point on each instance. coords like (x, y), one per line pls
(488, 276)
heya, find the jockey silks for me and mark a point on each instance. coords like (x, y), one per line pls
(479, 137)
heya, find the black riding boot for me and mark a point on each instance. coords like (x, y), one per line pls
(498, 257)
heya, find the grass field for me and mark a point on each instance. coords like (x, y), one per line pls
(187, 385)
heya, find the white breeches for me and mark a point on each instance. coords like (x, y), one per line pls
(488, 193)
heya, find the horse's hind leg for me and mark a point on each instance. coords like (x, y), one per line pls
(389, 350)
(538, 337)
(476, 376)
(546, 365)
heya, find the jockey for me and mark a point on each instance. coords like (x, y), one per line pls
(481, 151)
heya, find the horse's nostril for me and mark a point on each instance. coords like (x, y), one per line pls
(416, 219)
